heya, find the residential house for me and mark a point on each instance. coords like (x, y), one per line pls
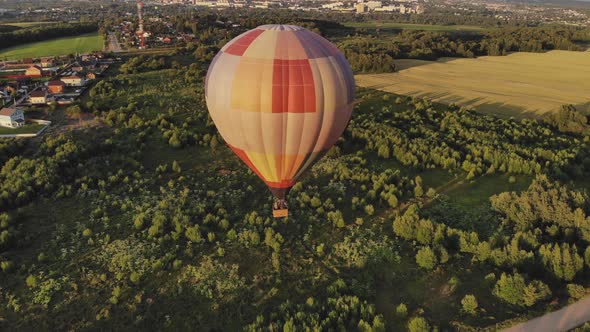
(73, 80)
(34, 71)
(11, 87)
(12, 117)
(56, 86)
(77, 67)
(47, 62)
(90, 76)
(38, 97)
(89, 65)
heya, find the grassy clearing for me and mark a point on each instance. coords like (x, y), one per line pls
(520, 84)
(475, 193)
(26, 129)
(409, 26)
(76, 44)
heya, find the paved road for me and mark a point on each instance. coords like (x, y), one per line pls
(564, 319)
(114, 45)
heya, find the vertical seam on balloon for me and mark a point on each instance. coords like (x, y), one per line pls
(330, 124)
(248, 147)
(302, 131)
(270, 172)
(288, 174)
(321, 110)
(285, 121)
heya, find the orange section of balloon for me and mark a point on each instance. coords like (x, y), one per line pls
(280, 96)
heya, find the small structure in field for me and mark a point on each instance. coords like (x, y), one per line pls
(34, 71)
(12, 117)
(38, 97)
(73, 80)
(56, 86)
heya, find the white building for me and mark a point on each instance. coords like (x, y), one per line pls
(73, 80)
(374, 4)
(12, 117)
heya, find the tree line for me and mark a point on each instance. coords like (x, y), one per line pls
(375, 52)
(45, 32)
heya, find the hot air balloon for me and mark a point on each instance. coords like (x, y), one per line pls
(280, 96)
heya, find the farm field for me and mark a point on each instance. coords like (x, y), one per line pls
(520, 84)
(409, 26)
(83, 43)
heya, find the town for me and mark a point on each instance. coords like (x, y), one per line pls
(45, 83)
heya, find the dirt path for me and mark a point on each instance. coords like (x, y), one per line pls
(564, 319)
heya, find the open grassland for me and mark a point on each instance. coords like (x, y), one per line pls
(520, 84)
(409, 26)
(75, 44)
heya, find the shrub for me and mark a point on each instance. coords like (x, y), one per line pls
(401, 310)
(513, 289)
(469, 304)
(418, 324)
(31, 281)
(426, 258)
(576, 292)
(214, 280)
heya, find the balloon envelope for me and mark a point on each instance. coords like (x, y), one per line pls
(280, 97)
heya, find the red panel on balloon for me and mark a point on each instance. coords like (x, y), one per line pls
(293, 89)
(241, 45)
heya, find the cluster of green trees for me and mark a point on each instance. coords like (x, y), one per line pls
(338, 311)
(24, 179)
(170, 222)
(428, 136)
(44, 32)
(568, 119)
(544, 238)
(374, 52)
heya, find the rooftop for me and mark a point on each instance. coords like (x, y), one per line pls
(7, 111)
(38, 93)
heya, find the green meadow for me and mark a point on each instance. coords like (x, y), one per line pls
(68, 45)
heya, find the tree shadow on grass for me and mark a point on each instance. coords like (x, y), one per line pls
(479, 104)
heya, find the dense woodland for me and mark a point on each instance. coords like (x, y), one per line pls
(147, 218)
(374, 51)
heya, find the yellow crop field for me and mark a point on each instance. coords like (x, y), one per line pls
(520, 84)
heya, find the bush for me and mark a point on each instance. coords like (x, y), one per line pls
(6, 266)
(401, 310)
(418, 324)
(469, 304)
(31, 281)
(513, 289)
(214, 280)
(426, 258)
(576, 292)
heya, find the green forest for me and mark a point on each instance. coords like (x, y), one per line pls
(422, 216)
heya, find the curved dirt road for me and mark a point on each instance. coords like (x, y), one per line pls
(565, 319)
